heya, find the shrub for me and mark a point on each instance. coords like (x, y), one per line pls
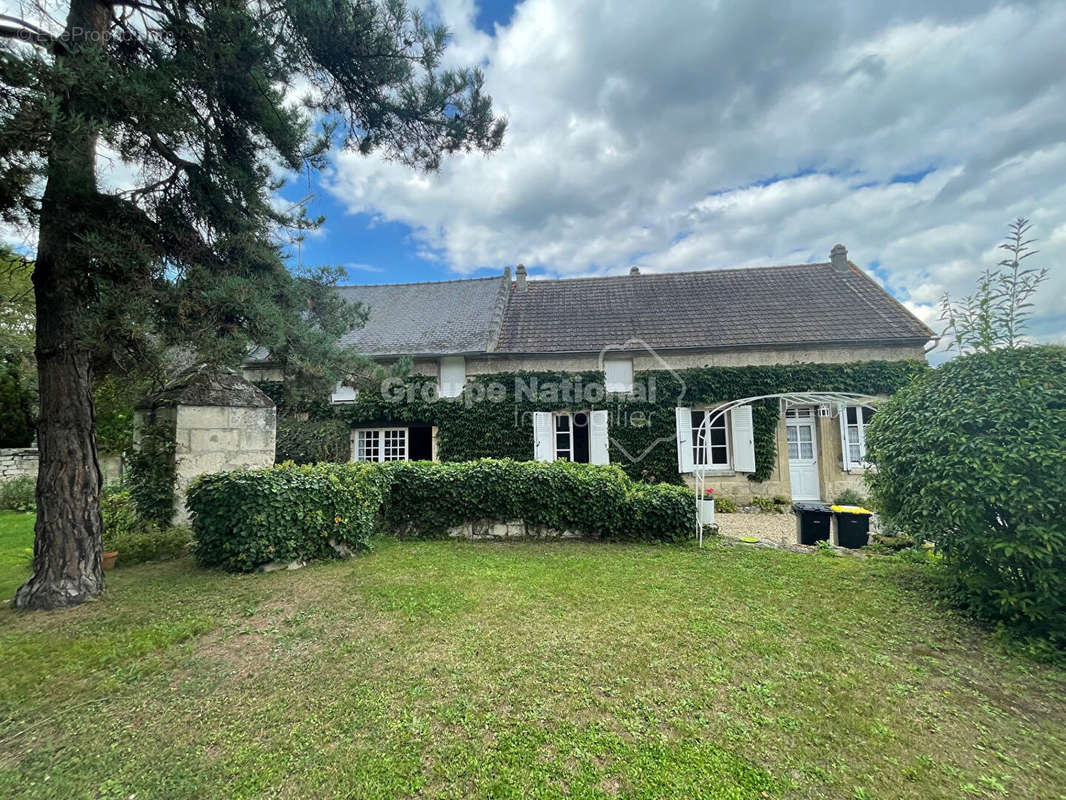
(660, 513)
(19, 494)
(767, 505)
(245, 519)
(428, 498)
(135, 539)
(850, 497)
(970, 456)
(119, 514)
(725, 505)
(313, 441)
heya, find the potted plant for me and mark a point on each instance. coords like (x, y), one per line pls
(707, 507)
(110, 554)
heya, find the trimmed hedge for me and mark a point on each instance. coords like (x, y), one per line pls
(428, 498)
(305, 441)
(246, 519)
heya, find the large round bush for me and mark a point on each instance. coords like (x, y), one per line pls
(972, 456)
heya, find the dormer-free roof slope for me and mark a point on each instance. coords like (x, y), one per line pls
(803, 304)
(763, 306)
(436, 318)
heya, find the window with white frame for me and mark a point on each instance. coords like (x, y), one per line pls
(799, 431)
(380, 444)
(856, 419)
(712, 449)
(618, 375)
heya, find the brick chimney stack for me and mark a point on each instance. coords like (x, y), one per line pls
(520, 278)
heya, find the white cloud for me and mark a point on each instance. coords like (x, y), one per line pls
(641, 133)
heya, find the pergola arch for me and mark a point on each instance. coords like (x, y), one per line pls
(832, 402)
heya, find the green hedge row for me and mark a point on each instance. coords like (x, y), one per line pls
(428, 498)
(246, 519)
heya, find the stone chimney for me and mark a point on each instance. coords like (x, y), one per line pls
(634, 270)
(838, 257)
(520, 278)
(507, 274)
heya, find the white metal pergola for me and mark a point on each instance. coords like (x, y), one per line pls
(829, 404)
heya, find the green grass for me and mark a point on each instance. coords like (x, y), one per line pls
(443, 669)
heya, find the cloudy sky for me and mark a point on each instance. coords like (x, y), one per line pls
(689, 135)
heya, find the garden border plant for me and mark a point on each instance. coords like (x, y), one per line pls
(245, 519)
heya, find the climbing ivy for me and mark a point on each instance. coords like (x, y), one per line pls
(493, 417)
(152, 472)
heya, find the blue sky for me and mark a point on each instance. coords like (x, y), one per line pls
(678, 135)
(703, 136)
(370, 250)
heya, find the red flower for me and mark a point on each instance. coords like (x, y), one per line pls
(708, 490)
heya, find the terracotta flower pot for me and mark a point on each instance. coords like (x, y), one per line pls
(109, 559)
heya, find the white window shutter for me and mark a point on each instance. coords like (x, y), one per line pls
(452, 376)
(684, 440)
(598, 438)
(743, 439)
(618, 374)
(343, 394)
(846, 463)
(542, 436)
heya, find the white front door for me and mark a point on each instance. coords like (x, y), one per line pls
(802, 454)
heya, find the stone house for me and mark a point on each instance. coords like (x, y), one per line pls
(623, 328)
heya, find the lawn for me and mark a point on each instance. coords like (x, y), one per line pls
(443, 669)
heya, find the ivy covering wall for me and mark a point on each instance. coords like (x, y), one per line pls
(493, 417)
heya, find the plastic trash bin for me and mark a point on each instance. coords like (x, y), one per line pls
(813, 522)
(853, 526)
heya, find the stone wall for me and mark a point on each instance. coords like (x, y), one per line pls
(217, 439)
(18, 461)
(24, 461)
(220, 422)
(514, 529)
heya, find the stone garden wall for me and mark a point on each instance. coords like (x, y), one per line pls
(18, 461)
(218, 439)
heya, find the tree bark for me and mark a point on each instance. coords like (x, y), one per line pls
(67, 546)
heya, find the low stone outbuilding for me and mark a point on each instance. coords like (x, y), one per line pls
(219, 421)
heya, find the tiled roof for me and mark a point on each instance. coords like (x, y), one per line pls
(427, 318)
(766, 306)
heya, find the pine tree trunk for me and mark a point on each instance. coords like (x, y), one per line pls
(67, 546)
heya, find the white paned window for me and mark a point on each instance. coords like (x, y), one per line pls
(711, 449)
(564, 437)
(800, 435)
(856, 419)
(380, 444)
(618, 375)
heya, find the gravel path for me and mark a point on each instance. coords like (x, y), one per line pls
(776, 528)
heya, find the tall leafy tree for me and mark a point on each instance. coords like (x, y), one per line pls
(195, 95)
